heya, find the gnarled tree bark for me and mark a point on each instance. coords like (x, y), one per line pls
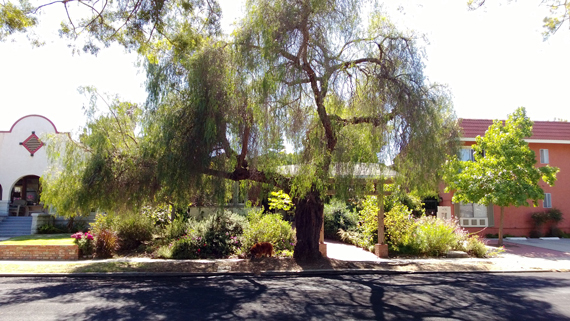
(308, 222)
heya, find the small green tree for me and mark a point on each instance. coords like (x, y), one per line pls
(503, 172)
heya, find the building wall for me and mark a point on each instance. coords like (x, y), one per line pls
(517, 221)
(15, 160)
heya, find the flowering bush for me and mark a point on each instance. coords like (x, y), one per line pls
(85, 242)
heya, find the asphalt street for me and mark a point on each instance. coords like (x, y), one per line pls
(433, 296)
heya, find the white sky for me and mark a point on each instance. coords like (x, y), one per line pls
(493, 59)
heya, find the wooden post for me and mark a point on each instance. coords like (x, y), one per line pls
(322, 245)
(381, 248)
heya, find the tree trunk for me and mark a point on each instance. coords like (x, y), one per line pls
(308, 222)
(500, 243)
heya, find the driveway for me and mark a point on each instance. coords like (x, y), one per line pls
(561, 245)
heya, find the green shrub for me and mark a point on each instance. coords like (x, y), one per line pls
(554, 215)
(338, 217)
(159, 215)
(555, 232)
(404, 233)
(188, 247)
(176, 229)
(164, 252)
(434, 237)
(217, 236)
(267, 228)
(400, 227)
(474, 247)
(103, 222)
(78, 226)
(50, 229)
(367, 229)
(535, 234)
(132, 231)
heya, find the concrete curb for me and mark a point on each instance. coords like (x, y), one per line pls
(304, 273)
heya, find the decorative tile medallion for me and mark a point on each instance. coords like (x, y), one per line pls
(32, 143)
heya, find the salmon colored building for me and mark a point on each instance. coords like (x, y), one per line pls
(550, 142)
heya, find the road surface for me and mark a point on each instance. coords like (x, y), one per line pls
(458, 296)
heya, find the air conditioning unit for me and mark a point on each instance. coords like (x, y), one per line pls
(474, 221)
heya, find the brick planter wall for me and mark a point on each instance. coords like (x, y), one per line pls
(39, 252)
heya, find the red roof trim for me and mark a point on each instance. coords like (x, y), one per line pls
(541, 130)
(33, 115)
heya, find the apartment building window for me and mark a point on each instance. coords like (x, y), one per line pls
(466, 154)
(474, 215)
(547, 203)
(544, 156)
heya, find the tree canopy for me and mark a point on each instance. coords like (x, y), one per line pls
(141, 25)
(338, 82)
(503, 172)
(559, 14)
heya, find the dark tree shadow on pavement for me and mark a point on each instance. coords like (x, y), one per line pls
(369, 296)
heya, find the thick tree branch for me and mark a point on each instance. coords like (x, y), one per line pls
(373, 120)
(350, 63)
(241, 163)
(318, 94)
(242, 174)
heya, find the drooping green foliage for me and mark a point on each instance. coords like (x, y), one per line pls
(15, 18)
(352, 91)
(504, 172)
(147, 26)
(101, 170)
(342, 87)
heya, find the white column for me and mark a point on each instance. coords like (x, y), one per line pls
(4, 207)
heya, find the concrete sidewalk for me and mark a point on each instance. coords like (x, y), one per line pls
(519, 255)
(542, 247)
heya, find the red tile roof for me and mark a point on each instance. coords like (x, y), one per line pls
(543, 130)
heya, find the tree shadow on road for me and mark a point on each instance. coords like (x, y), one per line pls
(371, 296)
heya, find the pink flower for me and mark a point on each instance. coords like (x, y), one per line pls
(77, 236)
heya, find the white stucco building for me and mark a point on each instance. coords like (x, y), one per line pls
(23, 160)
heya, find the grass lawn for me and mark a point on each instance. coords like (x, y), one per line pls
(40, 239)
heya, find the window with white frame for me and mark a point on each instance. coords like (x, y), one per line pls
(466, 154)
(547, 203)
(473, 215)
(544, 156)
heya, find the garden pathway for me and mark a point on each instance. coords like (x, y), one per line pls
(347, 252)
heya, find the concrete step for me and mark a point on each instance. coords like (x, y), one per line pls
(15, 226)
(14, 234)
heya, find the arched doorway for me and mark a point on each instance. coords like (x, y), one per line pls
(27, 188)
